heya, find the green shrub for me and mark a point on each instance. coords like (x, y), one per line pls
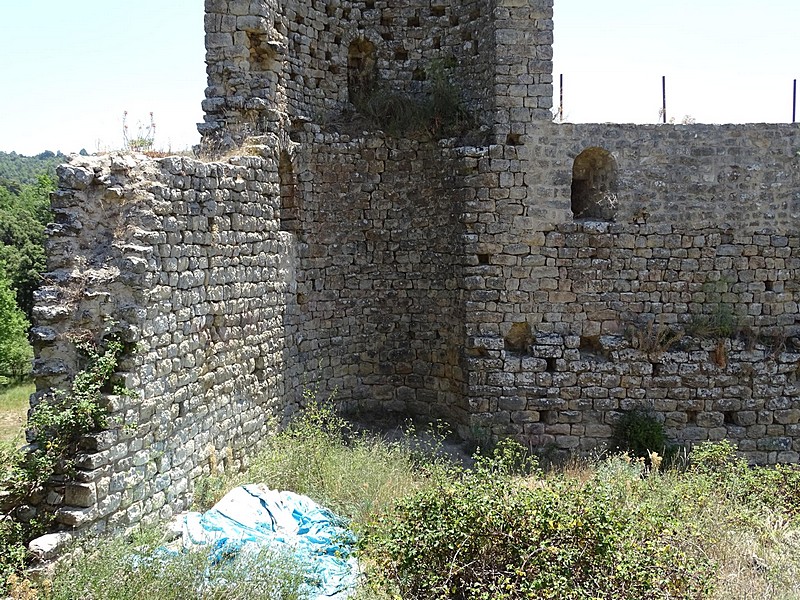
(639, 433)
(774, 487)
(489, 534)
(57, 424)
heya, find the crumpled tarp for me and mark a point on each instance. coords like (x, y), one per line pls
(252, 518)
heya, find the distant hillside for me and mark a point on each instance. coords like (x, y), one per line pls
(25, 170)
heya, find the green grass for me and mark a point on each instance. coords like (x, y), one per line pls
(14, 411)
(504, 529)
(122, 568)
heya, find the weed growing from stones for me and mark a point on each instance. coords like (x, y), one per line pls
(640, 433)
(437, 114)
(56, 425)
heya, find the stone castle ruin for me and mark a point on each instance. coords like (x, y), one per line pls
(516, 278)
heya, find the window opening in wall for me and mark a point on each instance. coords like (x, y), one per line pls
(290, 206)
(362, 70)
(594, 185)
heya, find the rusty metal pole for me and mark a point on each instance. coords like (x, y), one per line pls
(664, 97)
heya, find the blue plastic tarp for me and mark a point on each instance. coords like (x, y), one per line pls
(253, 518)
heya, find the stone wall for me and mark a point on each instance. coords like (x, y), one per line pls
(702, 230)
(379, 280)
(185, 260)
(241, 287)
(273, 66)
(537, 287)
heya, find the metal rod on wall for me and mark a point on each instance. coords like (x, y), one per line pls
(561, 97)
(664, 97)
(794, 102)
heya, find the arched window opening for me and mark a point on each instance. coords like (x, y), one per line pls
(594, 185)
(362, 70)
(290, 206)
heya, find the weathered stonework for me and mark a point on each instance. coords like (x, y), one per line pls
(431, 278)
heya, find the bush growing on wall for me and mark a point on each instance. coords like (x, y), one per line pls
(56, 424)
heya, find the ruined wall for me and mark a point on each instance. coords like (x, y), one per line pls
(274, 65)
(240, 287)
(187, 262)
(702, 231)
(533, 287)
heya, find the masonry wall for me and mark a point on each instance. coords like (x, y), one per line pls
(704, 230)
(379, 278)
(413, 276)
(240, 287)
(186, 262)
(276, 65)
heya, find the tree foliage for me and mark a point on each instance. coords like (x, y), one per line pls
(24, 212)
(16, 169)
(15, 351)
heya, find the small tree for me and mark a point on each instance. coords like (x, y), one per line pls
(15, 351)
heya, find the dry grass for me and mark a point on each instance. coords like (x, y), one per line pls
(756, 550)
(747, 548)
(758, 557)
(14, 411)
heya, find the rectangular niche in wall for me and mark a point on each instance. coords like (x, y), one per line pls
(362, 70)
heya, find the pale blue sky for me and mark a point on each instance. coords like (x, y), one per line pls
(726, 61)
(70, 69)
